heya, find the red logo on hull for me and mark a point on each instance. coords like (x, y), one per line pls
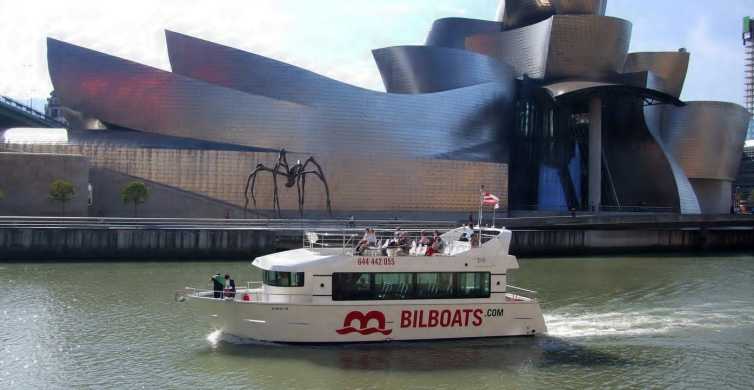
(364, 320)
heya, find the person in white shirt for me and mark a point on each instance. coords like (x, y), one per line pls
(468, 232)
(369, 239)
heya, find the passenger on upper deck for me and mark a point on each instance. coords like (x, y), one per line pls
(404, 244)
(437, 246)
(425, 240)
(369, 239)
(468, 231)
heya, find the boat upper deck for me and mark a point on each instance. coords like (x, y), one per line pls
(343, 250)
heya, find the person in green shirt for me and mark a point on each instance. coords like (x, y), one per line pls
(218, 283)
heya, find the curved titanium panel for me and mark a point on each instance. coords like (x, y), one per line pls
(643, 171)
(427, 69)
(520, 13)
(233, 68)
(587, 46)
(337, 118)
(452, 32)
(715, 196)
(573, 46)
(670, 66)
(139, 97)
(525, 49)
(687, 198)
(580, 7)
(634, 86)
(707, 138)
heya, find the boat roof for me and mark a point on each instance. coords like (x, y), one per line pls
(297, 260)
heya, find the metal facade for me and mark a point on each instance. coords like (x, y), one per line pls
(482, 101)
(452, 32)
(346, 120)
(670, 66)
(428, 69)
(706, 138)
(561, 47)
(519, 13)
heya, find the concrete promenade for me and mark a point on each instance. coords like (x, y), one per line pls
(88, 239)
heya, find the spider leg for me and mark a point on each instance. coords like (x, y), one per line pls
(321, 175)
(250, 187)
(275, 200)
(300, 196)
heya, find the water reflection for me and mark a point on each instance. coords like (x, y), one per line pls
(500, 354)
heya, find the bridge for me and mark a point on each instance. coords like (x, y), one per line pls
(17, 114)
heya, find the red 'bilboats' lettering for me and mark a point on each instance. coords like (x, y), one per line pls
(441, 318)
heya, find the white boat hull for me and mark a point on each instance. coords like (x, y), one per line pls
(354, 323)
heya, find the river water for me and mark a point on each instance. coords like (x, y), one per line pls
(635, 322)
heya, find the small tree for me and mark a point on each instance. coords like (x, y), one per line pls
(2, 194)
(135, 192)
(62, 191)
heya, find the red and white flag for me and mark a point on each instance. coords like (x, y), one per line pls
(488, 199)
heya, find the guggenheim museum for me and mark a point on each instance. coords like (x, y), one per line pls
(544, 106)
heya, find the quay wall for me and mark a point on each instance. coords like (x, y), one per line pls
(97, 244)
(553, 243)
(35, 244)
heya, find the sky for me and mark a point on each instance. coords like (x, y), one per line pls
(335, 37)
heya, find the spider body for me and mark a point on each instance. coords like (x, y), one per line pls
(294, 176)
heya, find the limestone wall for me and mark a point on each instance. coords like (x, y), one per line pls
(25, 180)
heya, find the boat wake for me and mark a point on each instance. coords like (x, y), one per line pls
(570, 322)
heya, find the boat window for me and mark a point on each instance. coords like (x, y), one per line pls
(472, 284)
(283, 279)
(393, 285)
(410, 285)
(434, 285)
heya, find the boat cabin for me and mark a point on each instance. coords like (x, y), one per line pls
(329, 270)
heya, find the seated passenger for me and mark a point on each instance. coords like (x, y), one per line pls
(404, 244)
(475, 240)
(468, 231)
(437, 246)
(425, 240)
(369, 239)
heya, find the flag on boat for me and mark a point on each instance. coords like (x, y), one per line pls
(488, 199)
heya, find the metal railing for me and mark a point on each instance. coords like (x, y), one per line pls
(4, 100)
(254, 285)
(518, 294)
(348, 239)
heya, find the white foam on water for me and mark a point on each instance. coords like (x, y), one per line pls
(214, 337)
(575, 323)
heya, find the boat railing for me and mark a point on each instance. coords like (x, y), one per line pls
(254, 285)
(342, 239)
(518, 294)
(350, 238)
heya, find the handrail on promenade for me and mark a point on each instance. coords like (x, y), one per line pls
(537, 223)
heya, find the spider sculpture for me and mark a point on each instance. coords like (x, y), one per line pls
(294, 176)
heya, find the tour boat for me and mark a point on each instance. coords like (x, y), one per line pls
(328, 292)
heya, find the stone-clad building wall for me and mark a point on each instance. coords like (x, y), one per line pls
(426, 186)
(25, 180)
